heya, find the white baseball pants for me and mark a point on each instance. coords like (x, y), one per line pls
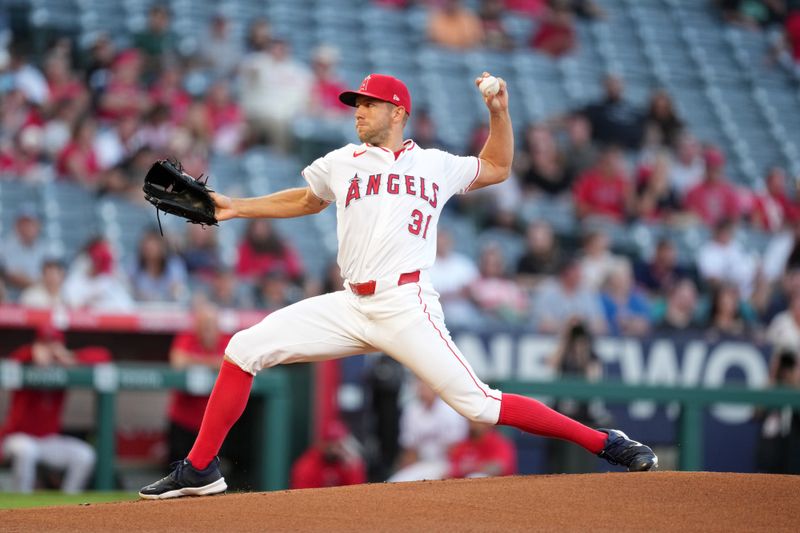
(405, 322)
(72, 455)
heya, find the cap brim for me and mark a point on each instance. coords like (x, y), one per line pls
(349, 97)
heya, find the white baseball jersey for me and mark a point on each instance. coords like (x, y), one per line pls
(387, 207)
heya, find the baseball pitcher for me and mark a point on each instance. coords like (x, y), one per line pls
(388, 194)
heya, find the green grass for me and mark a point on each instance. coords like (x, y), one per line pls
(9, 500)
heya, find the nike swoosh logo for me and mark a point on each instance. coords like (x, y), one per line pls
(356, 154)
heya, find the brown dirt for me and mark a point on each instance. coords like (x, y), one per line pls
(658, 501)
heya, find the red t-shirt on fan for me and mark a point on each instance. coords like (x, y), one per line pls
(602, 196)
(469, 456)
(37, 412)
(186, 410)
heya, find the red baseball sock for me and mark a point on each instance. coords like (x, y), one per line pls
(225, 406)
(535, 417)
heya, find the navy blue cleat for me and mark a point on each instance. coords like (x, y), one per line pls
(186, 480)
(620, 450)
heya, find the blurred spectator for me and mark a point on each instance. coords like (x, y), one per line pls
(556, 35)
(680, 309)
(452, 275)
(655, 198)
(25, 77)
(63, 85)
(780, 294)
(604, 190)
(158, 274)
(542, 256)
(124, 94)
(259, 35)
(156, 41)
(542, 167)
(263, 250)
(597, 260)
(275, 89)
(31, 435)
(714, 199)
(329, 463)
(627, 310)
(200, 253)
(774, 208)
(274, 291)
(578, 152)
(783, 332)
(782, 252)
(493, 292)
(167, 90)
(157, 129)
(23, 252)
(219, 49)
(558, 300)
(428, 428)
(98, 66)
(225, 118)
(688, 168)
(722, 259)
(454, 26)
(495, 35)
(116, 144)
(778, 449)
(614, 120)
(48, 293)
(326, 87)
(92, 281)
(424, 131)
(16, 113)
(662, 271)
(78, 160)
(26, 159)
(575, 358)
(203, 345)
(728, 316)
(484, 453)
(228, 293)
(663, 118)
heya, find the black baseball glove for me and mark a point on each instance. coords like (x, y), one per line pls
(172, 190)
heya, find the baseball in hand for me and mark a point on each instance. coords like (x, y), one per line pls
(489, 86)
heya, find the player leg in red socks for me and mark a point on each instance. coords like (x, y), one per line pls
(199, 473)
(535, 417)
(613, 445)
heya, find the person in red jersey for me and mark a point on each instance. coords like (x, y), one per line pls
(31, 434)
(485, 452)
(329, 463)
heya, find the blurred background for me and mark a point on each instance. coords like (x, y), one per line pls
(647, 239)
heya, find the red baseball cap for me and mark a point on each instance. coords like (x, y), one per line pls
(383, 87)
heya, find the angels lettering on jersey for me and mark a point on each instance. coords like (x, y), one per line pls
(427, 191)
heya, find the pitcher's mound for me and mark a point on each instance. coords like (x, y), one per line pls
(656, 501)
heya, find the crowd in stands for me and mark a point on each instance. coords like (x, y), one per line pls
(98, 117)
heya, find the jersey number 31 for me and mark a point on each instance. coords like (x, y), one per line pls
(416, 223)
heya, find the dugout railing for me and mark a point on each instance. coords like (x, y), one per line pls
(692, 400)
(107, 380)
